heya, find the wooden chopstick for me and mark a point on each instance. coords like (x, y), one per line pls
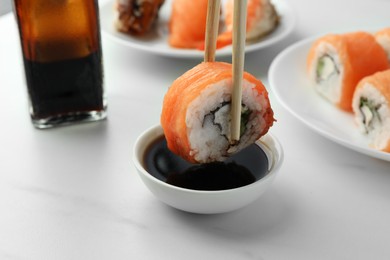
(239, 34)
(212, 23)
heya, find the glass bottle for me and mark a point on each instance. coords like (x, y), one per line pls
(62, 56)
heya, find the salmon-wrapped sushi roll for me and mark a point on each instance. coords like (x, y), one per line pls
(196, 113)
(187, 24)
(262, 19)
(383, 38)
(337, 62)
(371, 105)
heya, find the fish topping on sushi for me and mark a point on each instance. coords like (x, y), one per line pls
(187, 23)
(196, 113)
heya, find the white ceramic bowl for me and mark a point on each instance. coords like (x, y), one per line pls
(206, 202)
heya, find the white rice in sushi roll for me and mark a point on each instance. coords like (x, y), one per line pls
(208, 120)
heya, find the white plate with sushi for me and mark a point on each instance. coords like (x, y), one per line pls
(156, 42)
(289, 82)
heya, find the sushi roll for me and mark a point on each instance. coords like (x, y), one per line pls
(383, 38)
(136, 17)
(262, 19)
(187, 24)
(371, 107)
(337, 62)
(196, 113)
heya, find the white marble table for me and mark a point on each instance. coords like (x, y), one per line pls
(72, 192)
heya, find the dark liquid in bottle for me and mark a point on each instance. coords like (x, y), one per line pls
(63, 87)
(63, 60)
(241, 169)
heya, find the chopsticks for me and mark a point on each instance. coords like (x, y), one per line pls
(212, 23)
(239, 34)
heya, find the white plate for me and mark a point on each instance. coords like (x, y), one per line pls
(156, 42)
(289, 83)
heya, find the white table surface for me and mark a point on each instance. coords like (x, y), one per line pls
(72, 192)
(5, 6)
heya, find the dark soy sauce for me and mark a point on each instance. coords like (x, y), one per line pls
(67, 86)
(243, 168)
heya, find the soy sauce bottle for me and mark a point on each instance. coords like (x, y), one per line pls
(62, 56)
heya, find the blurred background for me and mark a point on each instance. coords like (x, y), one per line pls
(5, 6)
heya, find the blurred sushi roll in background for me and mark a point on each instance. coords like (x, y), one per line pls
(136, 17)
(371, 107)
(187, 23)
(196, 113)
(383, 38)
(187, 20)
(262, 19)
(337, 62)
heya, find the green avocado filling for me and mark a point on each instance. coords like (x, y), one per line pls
(245, 114)
(369, 111)
(218, 117)
(326, 68)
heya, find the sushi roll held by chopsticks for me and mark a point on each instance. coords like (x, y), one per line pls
(196, 113)
(337, 62)
(216, 109)
(371, 106)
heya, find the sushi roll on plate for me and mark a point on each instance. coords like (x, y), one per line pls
(196, 113)
(337, 62)
(136, 17)
(371, 106)
(262, 19)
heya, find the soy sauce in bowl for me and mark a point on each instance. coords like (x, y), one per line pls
(207, 188)
(243, 168)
